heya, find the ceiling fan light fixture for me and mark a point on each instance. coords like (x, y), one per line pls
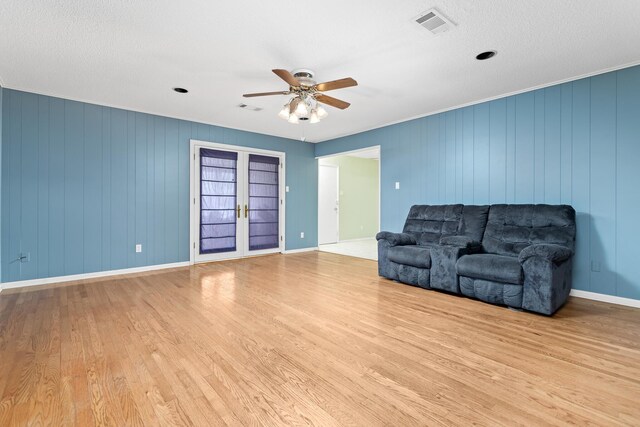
(306, 96)
(322, 113)
(284, 113)
(302, 110)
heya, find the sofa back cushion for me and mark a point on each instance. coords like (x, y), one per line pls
(429, 223)
(511, 228)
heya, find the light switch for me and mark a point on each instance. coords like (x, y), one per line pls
(286, 189)
(397, 185)
(138, 248)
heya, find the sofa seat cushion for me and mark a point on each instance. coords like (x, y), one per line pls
(492, 292)
(415, 256)
(498, 268)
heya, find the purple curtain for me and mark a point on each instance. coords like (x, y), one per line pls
(264, 202)
(218, 190)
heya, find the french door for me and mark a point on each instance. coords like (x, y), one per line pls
(238, 203)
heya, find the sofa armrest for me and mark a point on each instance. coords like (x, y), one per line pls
(460, 241)
(443, 266)
(396, 239)
(547, 277)
(546, 251)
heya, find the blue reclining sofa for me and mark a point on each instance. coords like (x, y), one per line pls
(514, 255)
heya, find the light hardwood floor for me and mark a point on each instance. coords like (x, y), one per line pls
(361, 248)
(306, 339)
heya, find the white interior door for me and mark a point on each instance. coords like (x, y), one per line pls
(238, 203)
(328, 204)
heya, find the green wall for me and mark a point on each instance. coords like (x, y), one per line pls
(359, 196)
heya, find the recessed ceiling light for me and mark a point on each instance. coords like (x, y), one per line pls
(180, 90)
(249, 107)
(486, 55)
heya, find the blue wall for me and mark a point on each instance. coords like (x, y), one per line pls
(82, 184)
(576, 143)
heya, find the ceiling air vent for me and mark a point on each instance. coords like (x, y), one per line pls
(434, 21)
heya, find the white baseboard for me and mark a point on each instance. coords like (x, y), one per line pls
(61, 279)
(297, 251)
(97, 274)
(360, 239)
(606, 298)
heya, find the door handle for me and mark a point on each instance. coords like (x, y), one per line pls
(238, 211)
(246, 211)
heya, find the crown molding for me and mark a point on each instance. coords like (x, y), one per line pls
(492, 98)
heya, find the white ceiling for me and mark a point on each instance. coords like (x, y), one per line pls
(131, 53)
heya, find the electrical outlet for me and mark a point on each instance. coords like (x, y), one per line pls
(138, 248)
(397, 185)
(302, 235)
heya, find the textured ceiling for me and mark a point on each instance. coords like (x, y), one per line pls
(130, 54)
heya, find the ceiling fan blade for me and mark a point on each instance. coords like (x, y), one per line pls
(334, 102)
(251, 95)
(287, 77)
(336, 84)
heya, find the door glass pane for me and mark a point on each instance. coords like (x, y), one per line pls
(263, 202)
(218, 201)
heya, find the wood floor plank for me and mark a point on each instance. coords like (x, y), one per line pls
(306, 339)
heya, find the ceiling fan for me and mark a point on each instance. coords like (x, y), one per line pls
(307, 95)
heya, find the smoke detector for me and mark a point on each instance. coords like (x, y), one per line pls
(435, 22)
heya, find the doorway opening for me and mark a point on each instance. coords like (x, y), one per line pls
(349, 203)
